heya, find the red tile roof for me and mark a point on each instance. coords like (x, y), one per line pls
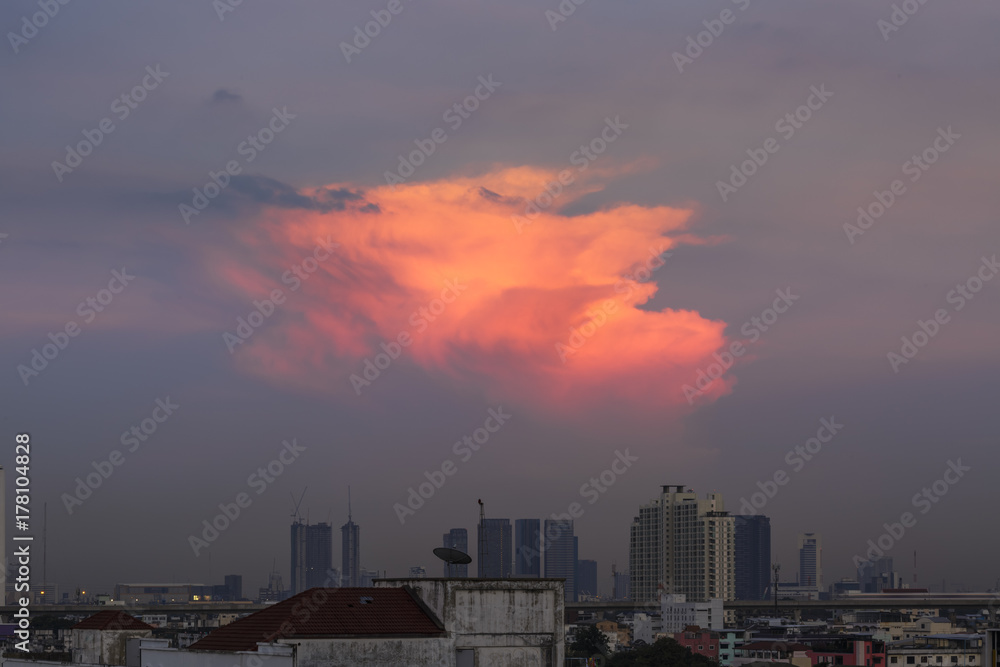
(111, 620)
(328, 612)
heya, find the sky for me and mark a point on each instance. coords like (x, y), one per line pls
(547, 255)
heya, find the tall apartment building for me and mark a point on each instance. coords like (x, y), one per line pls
(312, 555)
(456, 538)
(560, 547)
(753, 557)
(527, 548)
(811, 561)
(682, 545)
(494, 549)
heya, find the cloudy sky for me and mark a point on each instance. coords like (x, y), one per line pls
(633, 227)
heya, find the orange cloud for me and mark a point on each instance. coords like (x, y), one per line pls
(549, 317)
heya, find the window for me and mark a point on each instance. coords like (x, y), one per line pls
(711, 647)
(893, 660)
(954, 658)
(910, 660)
(939, 659)
(700, 647)
(923, 658)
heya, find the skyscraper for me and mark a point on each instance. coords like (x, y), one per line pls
(876, 575)
(811, 560)
(456, 538)
(586, 578)
(527, 548)
(494, 549)
(753, 557)
(679, 544)
(350, 549)
(560, 548)
(312, 555)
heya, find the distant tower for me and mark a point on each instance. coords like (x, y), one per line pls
(527, 548)
(495, 546)
(456, 538)
(811, 561)
(753, 557)
(350, 536)
(561, 554)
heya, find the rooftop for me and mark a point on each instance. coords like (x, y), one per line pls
(328, 612)
(111, 620)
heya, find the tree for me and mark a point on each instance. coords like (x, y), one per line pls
(665, 652)
(589, 641)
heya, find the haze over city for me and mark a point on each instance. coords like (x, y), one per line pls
(497, 250)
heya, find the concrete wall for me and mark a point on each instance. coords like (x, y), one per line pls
(380, 651)
(103, 647)
(152, 655)
(507, 621)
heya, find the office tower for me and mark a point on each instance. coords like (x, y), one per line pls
(753, 557)
(621, 583)
(811, 561)
(679, 544)
(350, 549)
(560, 548)
(234, 586)
(456, 538)
(586, 578)
(876, 575)
(494, 549)
(527, 548)
(312, 555)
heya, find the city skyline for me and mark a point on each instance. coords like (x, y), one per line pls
(242, 256)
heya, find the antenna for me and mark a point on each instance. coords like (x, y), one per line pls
(296, 518)
(777, 568)
(452, 557)
(482, 537)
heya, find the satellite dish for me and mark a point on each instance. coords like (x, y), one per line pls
(452, 557)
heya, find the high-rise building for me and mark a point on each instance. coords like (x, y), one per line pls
(494, 549)
(234, 586)
(622, 589)
(876, 575)
(753, 557)
(586, 578)
(527, 548)
(350, 551)
(312, 555)
(560, 548)
(811, 561)
(456, 538)
(680, 544)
